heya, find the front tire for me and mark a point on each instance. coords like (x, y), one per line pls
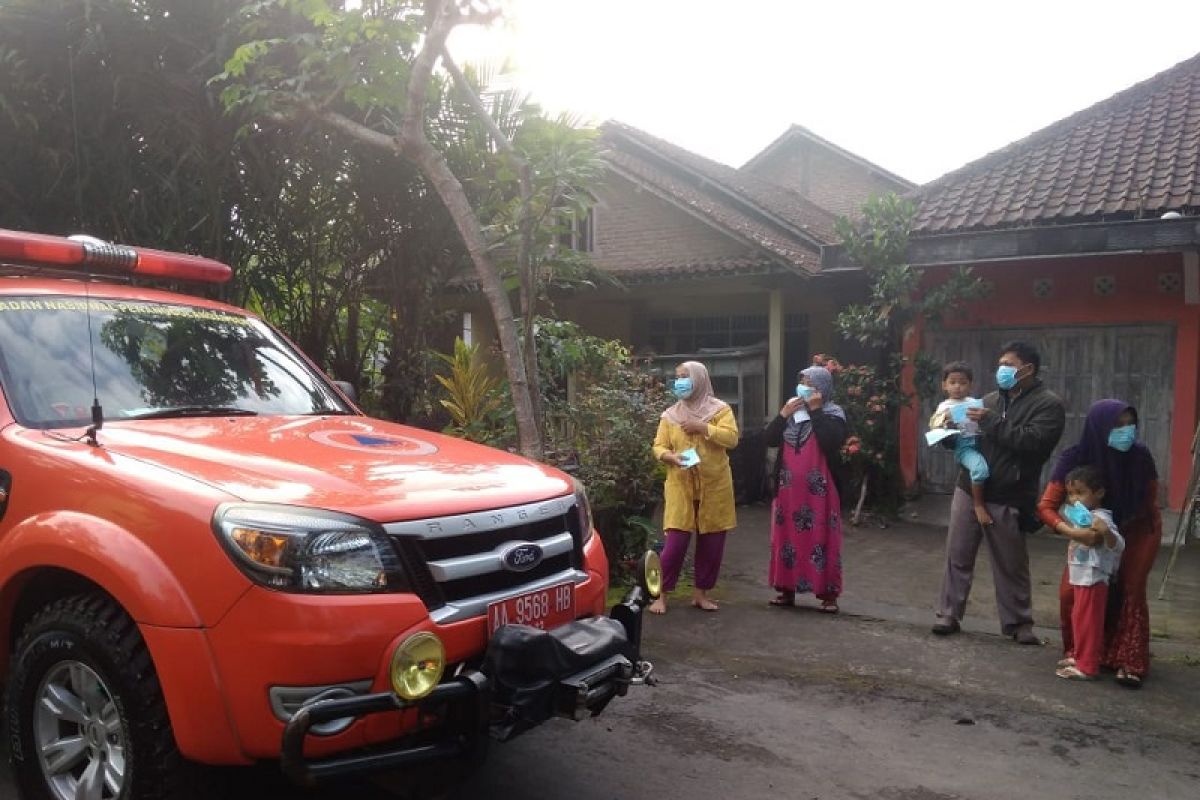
(86, 715)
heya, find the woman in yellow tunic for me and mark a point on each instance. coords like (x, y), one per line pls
(698, 493)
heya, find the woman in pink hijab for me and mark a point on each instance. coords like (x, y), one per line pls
(694, 439)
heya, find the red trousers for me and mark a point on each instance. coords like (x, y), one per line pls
(1083, 626)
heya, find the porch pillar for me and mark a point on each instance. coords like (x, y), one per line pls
(774, 351)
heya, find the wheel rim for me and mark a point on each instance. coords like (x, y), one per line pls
(79, 736)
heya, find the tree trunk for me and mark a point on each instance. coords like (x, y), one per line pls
(437, 171)
(413, 144)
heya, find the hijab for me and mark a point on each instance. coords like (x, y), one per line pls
(1125, 475)
(821, 379)
(701, 405)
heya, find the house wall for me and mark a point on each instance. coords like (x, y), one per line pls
(1148, 290)
(832, 181)
(634, 227)
(624, 315)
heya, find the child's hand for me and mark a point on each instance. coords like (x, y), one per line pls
(1099, 525)
(985, 519)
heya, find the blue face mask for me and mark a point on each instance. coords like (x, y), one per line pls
(682, 388)
(1006, 376)
(1077, 514)
(1122, 438)
(803, 392)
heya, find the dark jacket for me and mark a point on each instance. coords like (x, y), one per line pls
(830, 432)
(1017, 439)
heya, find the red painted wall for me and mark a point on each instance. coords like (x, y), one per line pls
(1073, 301)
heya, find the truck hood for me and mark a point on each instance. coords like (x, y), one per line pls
(357, 465)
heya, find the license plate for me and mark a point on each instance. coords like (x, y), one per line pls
(545, 608)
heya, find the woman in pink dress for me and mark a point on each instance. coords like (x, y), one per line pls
(806, 517)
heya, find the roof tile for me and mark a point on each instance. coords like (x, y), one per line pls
(1134, 154)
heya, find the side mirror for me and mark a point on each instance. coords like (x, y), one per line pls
(347, 389)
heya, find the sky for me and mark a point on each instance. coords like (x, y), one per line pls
(919, 87)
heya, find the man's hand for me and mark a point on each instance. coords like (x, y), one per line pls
(977, 414)
(695, 428)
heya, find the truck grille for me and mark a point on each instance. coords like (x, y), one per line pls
(461, 567)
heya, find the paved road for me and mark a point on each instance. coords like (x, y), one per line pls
(756, 702)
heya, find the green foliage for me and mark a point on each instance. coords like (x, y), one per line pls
(878, 242)
(601, 412)
(898, 296)
(473, 395)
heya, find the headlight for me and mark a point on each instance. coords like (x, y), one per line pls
(296, 549)
(417, 665)
(585, 510)
(652, 577)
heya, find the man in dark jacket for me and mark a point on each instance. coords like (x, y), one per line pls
(1020, 425)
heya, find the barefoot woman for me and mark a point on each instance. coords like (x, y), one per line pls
(698, 495)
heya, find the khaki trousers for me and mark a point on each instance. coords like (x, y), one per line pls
(1010, 563)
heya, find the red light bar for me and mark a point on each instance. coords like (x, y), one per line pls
(36, 249)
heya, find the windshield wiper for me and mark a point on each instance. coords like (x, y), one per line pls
(195, 411)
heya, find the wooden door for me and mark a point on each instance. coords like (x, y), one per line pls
(1081, 365)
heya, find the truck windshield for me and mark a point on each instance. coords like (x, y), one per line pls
(150, 360)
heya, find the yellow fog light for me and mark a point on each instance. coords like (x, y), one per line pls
(417, 665)
(652, 574)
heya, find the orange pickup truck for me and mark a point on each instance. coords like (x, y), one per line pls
(207, 553)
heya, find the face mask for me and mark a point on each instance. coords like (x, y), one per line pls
(1078, 515)
(803, 392)
(1122, 438)
(682, 388)
(1006, 376)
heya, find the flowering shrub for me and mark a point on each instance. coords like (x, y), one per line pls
(872, 405)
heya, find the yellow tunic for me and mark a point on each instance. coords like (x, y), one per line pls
(709, 483)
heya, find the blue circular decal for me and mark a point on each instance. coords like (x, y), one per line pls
(374, 442)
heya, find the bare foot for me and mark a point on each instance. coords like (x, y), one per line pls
(659, 606)
(700, 600)
(981, 514)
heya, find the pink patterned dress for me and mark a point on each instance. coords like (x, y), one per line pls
(806, 525)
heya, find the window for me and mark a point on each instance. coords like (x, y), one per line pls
(579, 232)
(150, 359)
(691, 334)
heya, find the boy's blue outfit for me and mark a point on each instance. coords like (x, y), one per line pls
(952, 414)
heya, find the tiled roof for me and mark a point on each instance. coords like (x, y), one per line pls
(657, 269)
(725, 216)
(784, 225)
(804, 216)
(1135, 154)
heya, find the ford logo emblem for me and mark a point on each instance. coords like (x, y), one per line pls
(522, 557)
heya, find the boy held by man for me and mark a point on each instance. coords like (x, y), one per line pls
(951, 414)
(1092, 560)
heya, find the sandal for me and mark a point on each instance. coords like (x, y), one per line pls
(783, 599)
(1073, 673)
(1130, 680)
(828, 607)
